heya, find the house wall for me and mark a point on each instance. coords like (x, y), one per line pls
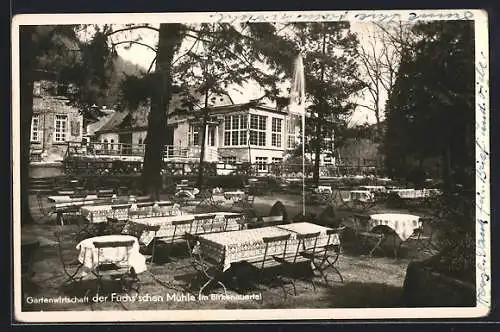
(47, 107)
(139, 135)
(181, 134)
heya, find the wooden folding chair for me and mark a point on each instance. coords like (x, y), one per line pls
(267, 265)
(208, 271)
(46, 213)
(122, 270)
(293, 260)
(364, 235)
(424, 235)
(204, 223)
(116, 223)
(230, 218)
(68, 254)
(326, 257)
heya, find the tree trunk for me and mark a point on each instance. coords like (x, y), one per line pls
(446, 169)
(317, 152)
(170, 38)
(203, 138)
(26, 104)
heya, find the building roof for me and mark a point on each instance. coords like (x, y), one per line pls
(99, 124)
(138, 119)
(113, 122)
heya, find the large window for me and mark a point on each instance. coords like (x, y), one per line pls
(35, 128)
(229, 160)
(258, 130)
(193, 135)
(261, 163)
(61, 128)
(235, 130)
(276, 132)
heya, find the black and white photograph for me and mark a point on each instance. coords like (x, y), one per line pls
(250, 166)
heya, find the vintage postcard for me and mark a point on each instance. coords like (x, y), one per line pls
(227, 166)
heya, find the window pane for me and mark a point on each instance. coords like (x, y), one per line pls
(227, 138)
(243, 121)
(243, 137)
(254, 122)
(235, 138)
(262, 138)
(262, 122)
(236, 122)
(253, 137)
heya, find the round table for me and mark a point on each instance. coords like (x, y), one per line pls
(88, 253)
(403, 224)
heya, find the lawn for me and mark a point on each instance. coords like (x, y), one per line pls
(369, 282)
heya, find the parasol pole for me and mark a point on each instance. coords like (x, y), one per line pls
(297, 107)
(303, 164)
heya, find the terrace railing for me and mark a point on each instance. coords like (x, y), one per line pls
(99, 149)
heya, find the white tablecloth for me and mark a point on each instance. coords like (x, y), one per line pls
(373, 189)
(167, 229)
(67, 199)
(100, 213)
(248, 244)
(402, 224)
(89, 254)
(360, 195)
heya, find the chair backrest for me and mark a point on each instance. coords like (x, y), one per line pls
(105, 191)
(113, 244)
(183, 221)
(360, 221)
(143, 198)
(426, 225)
(205, 221)
(306, 242)
(104, 195)
(333, 234)
(78, 195)
(176, 235)
(272, 219)
(273, 241)
(120, 206)
(99, 245)
(145, 204)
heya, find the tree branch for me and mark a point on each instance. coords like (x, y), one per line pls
(152, 62)
(132, 28)
(135, 42)
(188, 51)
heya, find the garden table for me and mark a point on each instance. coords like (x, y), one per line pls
(373, 189)
(234, 195)
(231, 247)
(100, 213)
(68, 199)
(88, 255)
(402, 224)
(360, 195)
(167, 228)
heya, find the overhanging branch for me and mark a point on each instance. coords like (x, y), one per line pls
(134, 42)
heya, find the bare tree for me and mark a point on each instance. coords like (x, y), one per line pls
(380, 53)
